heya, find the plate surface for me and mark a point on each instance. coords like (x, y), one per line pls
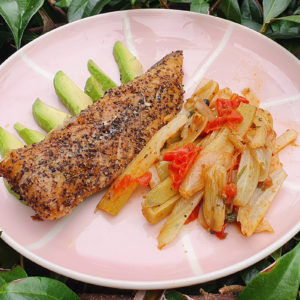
(122, 251)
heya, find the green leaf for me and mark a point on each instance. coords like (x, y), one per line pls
(294, 18)
(231, 10)
(114, 5)
(249, 273)
(63, 3)
(292, 7)
(200, 6)
(284, 30)
(277, 254)
(251, 24)
(7, 276)
(250, 10)
(8, 256)
(80, 9)
(273, 8)
(17, 14)
(173, 295)
(28, 37)
(37, 288)
(297, 11)
(181, 1)
(282, 281)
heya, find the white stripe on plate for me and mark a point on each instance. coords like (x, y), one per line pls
(191, 255)
(199, 74)
(281, 101)
(291, 186)
(35, 67)
(51, 234)
(128, 34)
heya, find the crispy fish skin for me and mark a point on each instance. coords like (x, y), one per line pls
(85, 156)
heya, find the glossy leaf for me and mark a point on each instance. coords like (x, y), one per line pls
(284, 30)
(7, 276)
(37, 288)
(297, 11)
(231, 10)
(294, 18)
(251, 24)
(17, 14)
(63, 3)
(282, 281)
(273, 8)
(292, 7)
(277, 254)
(250, 10)
(80, 9)
(200, 6)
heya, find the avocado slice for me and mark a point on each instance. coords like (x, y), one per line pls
(128, 64)
(29, 136)
(48, 117)
(70, 94)
(99, 75)
(9, 141)
(93, 88)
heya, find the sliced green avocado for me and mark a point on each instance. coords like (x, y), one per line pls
(99, 75)
(128, 64)
(8, 141)
(29, 136)
(93, 88)
(48, 117)
(70, 94)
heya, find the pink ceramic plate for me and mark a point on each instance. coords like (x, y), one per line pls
(122, 251)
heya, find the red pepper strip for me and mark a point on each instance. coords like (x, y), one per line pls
(223, 105)
(181, 161)
(231, 117)
(229, 191)
(238, 99)
(227, 113)
(121, 185)
(144, 179)
(222, 234)
(215, 124)
(226, 105)
(194, 215)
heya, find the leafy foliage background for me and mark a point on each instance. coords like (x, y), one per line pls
(21, 21)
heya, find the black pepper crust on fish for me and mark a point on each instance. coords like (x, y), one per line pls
(85, 156)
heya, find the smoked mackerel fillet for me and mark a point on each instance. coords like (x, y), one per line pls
(89, 152)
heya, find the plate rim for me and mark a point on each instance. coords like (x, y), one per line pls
(152, 285)
(160, 284)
